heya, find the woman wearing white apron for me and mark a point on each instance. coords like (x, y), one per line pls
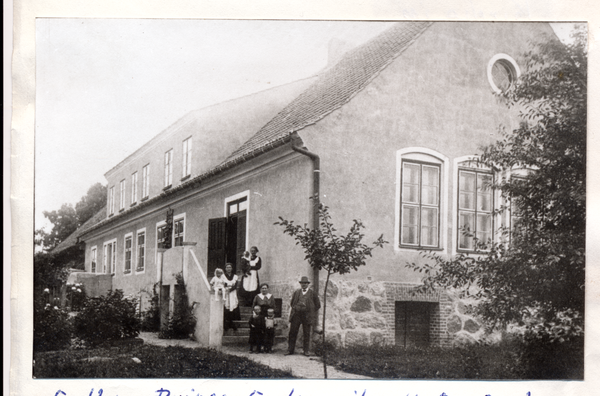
(251, 264)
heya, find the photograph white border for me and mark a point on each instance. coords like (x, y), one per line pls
(22, 134)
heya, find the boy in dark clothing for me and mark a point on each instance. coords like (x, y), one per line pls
(269, 331)
(257, 330)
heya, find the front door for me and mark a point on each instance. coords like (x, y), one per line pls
(227, 237)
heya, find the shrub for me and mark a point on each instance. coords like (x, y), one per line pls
(107, 318)
(51, 327)
(183, 322)
(151, 317)
(76, 296)
(542, 358)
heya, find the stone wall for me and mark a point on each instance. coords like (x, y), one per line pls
(362, 312)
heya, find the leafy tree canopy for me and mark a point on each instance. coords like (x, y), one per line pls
(68, 218)
(536, 279)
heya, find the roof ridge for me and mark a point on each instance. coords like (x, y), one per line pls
(188, 117)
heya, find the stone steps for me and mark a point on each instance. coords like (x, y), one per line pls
(240, 336)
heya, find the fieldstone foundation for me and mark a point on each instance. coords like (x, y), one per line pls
(363, 312)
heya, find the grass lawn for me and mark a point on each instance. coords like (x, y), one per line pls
(498, 362)
(156, 362)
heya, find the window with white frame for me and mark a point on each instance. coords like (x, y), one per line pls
(145, 181)
(420, 204)
(128, 253)
(421, 199)
(141, 250)
(187, 157)
(168, 168)
(122, 196)
(178, 225)
(475, 206)
(94, 257)
(134, 187)
(111, 200)
(110, 257)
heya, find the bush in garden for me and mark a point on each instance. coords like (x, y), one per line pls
(107, 318)
(76, 296)
(151, 317)
(183, 322)
(51, 327)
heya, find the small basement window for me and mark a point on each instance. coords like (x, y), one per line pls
(502, 72)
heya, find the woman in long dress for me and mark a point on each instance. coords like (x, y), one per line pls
(232, 310)
(251, 281)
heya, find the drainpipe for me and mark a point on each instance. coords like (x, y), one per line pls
(315, 194)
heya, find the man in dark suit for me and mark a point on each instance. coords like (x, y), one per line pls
(305, 304)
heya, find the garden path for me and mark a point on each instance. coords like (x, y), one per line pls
(300, 365)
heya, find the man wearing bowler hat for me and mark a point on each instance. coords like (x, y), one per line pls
(305, 304)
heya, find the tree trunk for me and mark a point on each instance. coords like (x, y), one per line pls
(325, 312)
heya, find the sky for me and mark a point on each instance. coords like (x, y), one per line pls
(104, 87)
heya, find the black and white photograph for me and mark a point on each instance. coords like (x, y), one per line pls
(309, 199)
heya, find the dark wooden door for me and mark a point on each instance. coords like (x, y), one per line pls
(412, 323)
(217, 245)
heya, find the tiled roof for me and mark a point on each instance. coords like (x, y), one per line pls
(331, 90)
(336, 85)
(71, 240)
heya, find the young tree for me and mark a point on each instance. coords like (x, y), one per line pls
(327, 251)
(536, 276)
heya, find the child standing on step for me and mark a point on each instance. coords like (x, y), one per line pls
(269, 331)
(257, 330)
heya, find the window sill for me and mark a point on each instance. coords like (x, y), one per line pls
(111, 215)
(133, 204)
(421, 248)
(166, 188)
(127, 272)
(121, 210)
(144, 199)
(186, 177)
(139, 270)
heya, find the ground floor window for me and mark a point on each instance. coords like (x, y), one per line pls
(412, 323)
(178, 232)
(94, 258)
(128, 244)
(110, 257)
(141, 250)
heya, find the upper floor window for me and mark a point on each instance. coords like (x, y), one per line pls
(502, 72)
(169, 168)
(187, 157)
(122, 196)
(475, 207)
(94, 256)
(128, 252)
(141, 250)
(111, 200)
(420, 204)
(145, 181)
(134, 184)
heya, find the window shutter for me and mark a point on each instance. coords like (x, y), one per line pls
(217, 235)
